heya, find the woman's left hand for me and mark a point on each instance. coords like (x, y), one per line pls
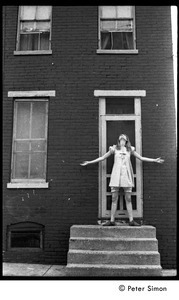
(159, 160)
(84, 163)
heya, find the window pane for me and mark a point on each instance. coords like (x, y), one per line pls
(117, 40)
(108, 12)
(37, 165)
(116, 12)
(119, 106)
(117, 25)
(124, 11)
(134, 188)
(105, 40)
(122, 40)
(125, 25)
(109, 201)
(43, 26)
(124, 203)
(28, 26)
(28, 12)
(133, 200)
(108, 189)
(25, 239)
(21, 161)
(108, 25)
(38, 145)
(23, 120)
(22, 146)
(44, 40)
(29, 41)
(38, 120)
(34, 26)
(43, 12)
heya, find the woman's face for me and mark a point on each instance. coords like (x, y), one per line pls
(122, 142)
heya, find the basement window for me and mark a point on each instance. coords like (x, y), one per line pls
(25, 235)
(34, 30)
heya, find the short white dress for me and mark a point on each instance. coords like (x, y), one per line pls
(122, 174)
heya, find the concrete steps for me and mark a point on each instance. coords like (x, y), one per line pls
(112, 270)
(114, 257)
(121, 244)
(95, 250)
(112, 231)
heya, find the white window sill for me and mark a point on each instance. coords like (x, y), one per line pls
(103, 51)
(35, 52)
(27, 185)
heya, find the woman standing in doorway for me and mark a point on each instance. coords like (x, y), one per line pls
(122, 174)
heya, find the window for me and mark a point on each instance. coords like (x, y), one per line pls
(34, 28)
(117, 28)
(120, 105)
(25, 235)
(28, 238)
(29, 146)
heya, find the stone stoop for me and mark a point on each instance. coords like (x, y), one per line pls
(95, 250)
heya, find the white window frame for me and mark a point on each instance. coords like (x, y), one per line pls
(29, 96)
(117, 51)
(31, 52)
(103, 117)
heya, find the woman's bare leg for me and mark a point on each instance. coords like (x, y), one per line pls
(129, 205)
(114, 205)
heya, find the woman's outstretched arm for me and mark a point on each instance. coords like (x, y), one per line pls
(157, 160)
(86, 162)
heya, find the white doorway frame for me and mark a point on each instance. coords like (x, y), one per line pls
(103, 118)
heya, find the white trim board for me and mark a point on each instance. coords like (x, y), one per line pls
(104, 51)
(34, 52)
(123, 93)
(50, 93)
(30, 185)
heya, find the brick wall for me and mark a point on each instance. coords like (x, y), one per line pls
(75, 70)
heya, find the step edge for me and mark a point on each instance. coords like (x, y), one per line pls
(111, 239)
(112, 252)
(71, 265)
(117, 226)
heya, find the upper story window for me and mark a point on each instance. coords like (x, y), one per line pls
(34, 28)
(117, 28)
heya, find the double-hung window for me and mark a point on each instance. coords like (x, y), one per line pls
(29, 145)
(117, 29)
(34, 29)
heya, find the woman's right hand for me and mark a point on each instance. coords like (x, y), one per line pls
(84, 163)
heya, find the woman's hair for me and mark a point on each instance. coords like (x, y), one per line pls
(128, 143)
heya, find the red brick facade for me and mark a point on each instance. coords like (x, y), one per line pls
(74, 70)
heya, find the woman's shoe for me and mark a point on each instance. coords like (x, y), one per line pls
(134, 223)
(109, 223)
